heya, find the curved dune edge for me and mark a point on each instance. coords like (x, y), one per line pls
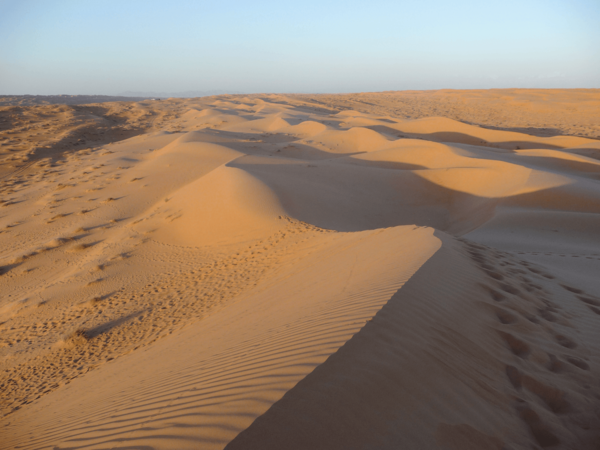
(467, 355)
(210, 382)
(224, 206)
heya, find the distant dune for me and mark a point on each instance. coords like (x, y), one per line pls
(402, 270)
(178, 94)
(30, 100)
(540, 112)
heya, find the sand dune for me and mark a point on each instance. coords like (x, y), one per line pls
(305, 129)
(219, 381)
(448, 130)
(274, 271)
(538, 112)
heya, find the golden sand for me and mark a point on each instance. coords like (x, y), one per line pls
(395, 270)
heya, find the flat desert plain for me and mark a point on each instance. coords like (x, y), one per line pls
(397, 270)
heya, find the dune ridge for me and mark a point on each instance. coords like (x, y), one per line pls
(483, 328)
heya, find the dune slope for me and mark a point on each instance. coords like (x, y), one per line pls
(210, 382)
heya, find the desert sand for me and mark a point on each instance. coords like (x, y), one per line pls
(398, 270)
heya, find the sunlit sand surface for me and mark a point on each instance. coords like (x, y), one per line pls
(410, 270)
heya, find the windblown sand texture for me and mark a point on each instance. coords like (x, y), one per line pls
(402, 270)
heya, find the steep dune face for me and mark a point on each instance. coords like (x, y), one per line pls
(468, 334)
(285, 272)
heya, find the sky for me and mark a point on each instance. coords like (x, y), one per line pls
(106, 47)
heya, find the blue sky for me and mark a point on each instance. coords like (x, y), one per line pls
(110, 47)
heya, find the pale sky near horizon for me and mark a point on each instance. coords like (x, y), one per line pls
(111, 47)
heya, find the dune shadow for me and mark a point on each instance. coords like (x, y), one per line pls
(326, 196)
(463, 138)
(107, 326)
(533, 131)
(586, 169)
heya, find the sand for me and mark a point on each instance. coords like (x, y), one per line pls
(395, 270)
